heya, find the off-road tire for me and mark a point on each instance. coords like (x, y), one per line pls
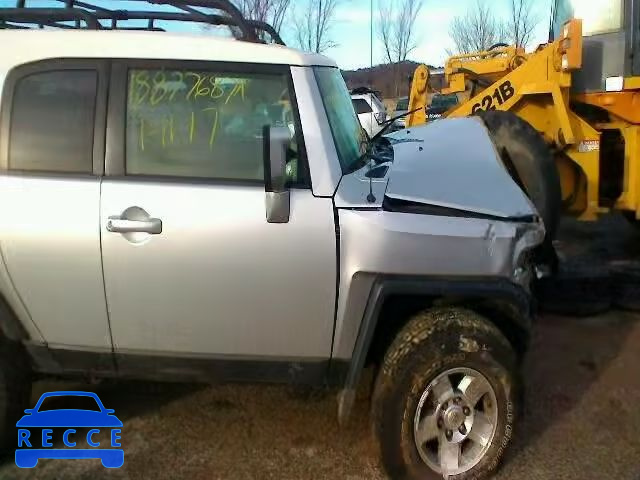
(432, 342)
(530, 162)
(15, 391)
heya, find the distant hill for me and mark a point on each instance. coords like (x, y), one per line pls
(383, 78)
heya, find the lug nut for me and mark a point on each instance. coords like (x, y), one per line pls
(449, 434)
(440, 423)
(456, 400)
(466, 411)
(445, 405)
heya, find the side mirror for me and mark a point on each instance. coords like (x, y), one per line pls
(275, 141)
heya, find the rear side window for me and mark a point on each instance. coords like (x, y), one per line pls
(206, 123)
(361, 106)
(52, 121)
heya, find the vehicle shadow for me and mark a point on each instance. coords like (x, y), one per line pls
(129, 398)
(569, 355)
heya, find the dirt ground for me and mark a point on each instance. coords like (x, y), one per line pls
(582, 420)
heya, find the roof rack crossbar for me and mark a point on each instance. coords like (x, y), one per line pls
(46, 15)
(224, 5)
(78, 3)
(188, 11)
(265, 27)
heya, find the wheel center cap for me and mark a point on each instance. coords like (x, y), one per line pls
(453, 417)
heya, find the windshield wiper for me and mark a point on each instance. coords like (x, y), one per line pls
(388, 123)
(363, 159)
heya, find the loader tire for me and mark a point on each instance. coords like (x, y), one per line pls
(576, 290)
(626, 285)
(530, 162)
(631, 218)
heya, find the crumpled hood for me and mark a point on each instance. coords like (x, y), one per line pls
(453, 163)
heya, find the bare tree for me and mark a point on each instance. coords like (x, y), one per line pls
(478, 30)
(521, 23)
(396, 31)
(312, 25)
(396, 27)
(385, 29)
(270, 11)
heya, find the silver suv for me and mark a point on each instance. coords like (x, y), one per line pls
(185, 207)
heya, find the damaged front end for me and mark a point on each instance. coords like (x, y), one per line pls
(453, 169)
(446, 207)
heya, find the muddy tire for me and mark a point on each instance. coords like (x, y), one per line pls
(445, 398)
(15, 392)
(530, 162)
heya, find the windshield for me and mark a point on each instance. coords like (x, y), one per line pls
(348, 136)
(598, 16)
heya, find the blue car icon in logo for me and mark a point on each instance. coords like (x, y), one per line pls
(36, 430)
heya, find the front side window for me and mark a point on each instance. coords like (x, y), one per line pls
(207, 124)
(52, 121)
(349, 137)
(598, 16)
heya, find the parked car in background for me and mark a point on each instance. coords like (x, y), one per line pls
(402, 107)
(370, 110)
(440, 104)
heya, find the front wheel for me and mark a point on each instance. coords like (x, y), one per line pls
(445, 399)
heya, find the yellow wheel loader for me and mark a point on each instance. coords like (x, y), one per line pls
(580, 92)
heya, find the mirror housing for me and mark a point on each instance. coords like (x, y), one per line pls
(275, 141)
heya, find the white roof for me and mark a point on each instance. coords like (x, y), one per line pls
(22, 46)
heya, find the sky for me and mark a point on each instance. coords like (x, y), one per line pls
(351, 28)
(352, 32)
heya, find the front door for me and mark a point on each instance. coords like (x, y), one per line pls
(191, 265)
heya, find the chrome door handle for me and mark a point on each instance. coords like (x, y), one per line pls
(119, 225)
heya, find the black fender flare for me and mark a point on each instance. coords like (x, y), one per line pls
(499, 289)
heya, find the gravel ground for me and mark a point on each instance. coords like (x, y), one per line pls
(581, 421)
(582, 416)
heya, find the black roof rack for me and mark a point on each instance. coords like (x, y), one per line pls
(85, 14)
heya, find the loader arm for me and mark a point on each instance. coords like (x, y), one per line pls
(536, 87)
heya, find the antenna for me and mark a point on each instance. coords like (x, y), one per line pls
(371, 197)
(371, 42)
